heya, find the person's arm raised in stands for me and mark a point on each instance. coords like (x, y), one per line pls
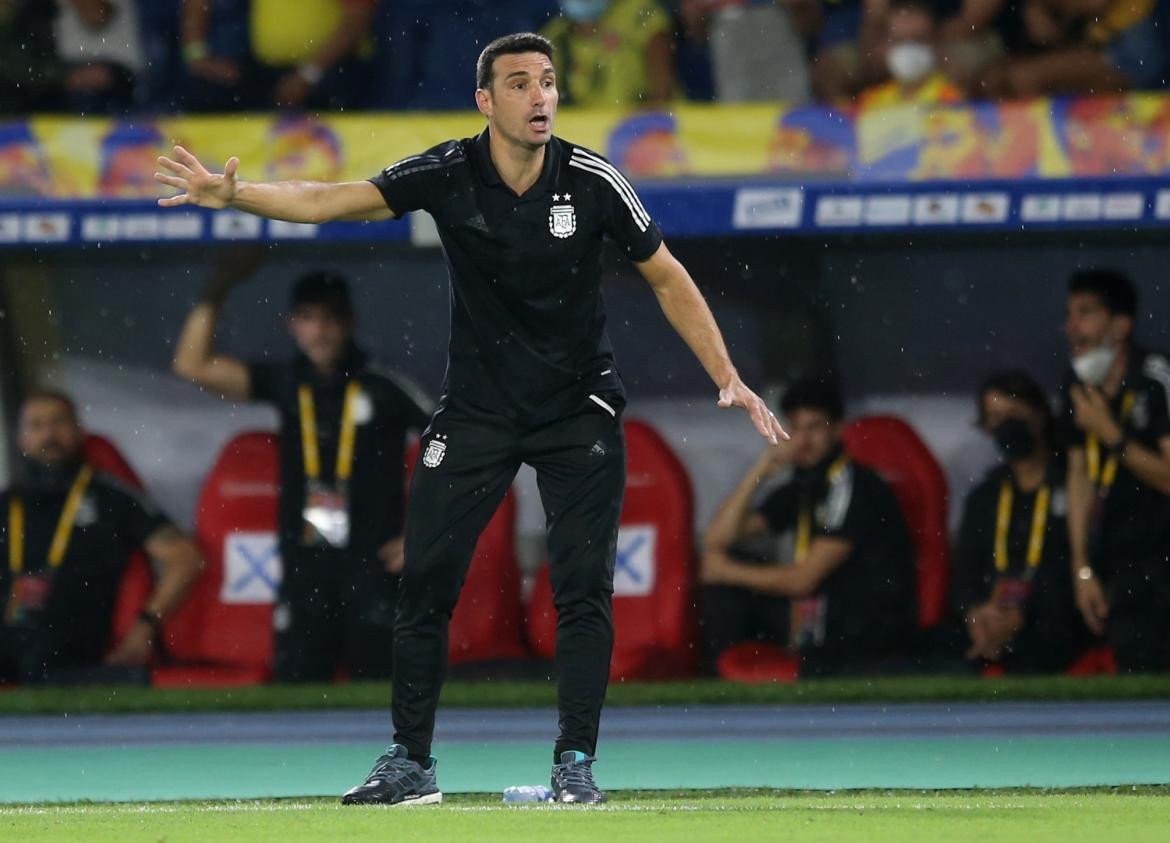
(195, 356)
(294, 201)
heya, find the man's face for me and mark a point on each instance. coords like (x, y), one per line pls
(521, 102)
(320, 334)
(910, 26)
(49, 433)
(1089, 324)
(814, 436)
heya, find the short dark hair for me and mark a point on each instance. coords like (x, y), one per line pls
(45, 393)
(1115, 289)
(1021, 386)
(508, 45)
(324, 288)
(814, 393)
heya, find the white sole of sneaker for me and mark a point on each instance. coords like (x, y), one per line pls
(429, 799)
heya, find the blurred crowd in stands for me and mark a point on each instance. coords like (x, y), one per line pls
(119, 56)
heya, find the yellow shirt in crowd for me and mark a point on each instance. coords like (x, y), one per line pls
(608, 66)
(285, 33)
(1120, 16)
(934, 91)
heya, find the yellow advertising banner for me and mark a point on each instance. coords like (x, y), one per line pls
(58, 157)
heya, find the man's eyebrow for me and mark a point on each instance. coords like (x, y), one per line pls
(544, 72)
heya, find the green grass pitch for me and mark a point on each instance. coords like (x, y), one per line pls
(1132, 815)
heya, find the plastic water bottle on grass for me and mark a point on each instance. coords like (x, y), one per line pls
(527, 793)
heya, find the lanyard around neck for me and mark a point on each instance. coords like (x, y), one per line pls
(1103, 477)
(804, 519)
(1003, 522)
(61, 535)
(345, 443)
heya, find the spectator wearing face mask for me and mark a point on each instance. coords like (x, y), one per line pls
(1118, 419)
(1011, 584)
(912, 58)
(613, 53)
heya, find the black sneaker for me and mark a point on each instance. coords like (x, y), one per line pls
(396, 780)
(572, 780)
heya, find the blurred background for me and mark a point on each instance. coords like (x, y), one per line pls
(888, 192)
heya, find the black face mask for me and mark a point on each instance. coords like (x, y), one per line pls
(1014, 438)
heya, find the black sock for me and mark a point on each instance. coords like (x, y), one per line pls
(423, 761)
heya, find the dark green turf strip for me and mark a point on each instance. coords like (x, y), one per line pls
(489, 694)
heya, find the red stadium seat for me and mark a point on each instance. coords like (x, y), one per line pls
(138, 579)
(220, 638)
(1094, 661)
(891, 448)
(487, 624)
(758, 661)
(223, 635)
(653, 607)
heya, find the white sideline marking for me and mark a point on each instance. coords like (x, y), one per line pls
(655, 807)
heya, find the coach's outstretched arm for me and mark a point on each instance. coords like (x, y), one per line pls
(295, 201)
(687, 311)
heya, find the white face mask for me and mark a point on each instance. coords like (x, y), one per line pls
(1093, 367)
(910, 61)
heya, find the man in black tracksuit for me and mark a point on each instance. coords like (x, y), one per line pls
(531, 379)
(343, 426)
(1116, 413)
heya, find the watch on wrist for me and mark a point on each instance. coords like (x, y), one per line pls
(151, 619)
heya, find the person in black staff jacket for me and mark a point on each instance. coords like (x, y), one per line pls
(67, 533)
(1118, 423)
(1011, 584)
(522, 216)
(343, 431)
(846, 598)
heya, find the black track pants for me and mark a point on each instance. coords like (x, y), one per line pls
(467, 462)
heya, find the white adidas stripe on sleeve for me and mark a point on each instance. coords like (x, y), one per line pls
(618, 174)
(618, 183)
(406, 160)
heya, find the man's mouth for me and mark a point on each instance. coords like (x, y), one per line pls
(539, 122)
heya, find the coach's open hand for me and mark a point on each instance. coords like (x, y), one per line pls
(207, 190)
(736, 394)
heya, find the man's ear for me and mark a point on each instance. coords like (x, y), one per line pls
(483, 101)
(1122, 327)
